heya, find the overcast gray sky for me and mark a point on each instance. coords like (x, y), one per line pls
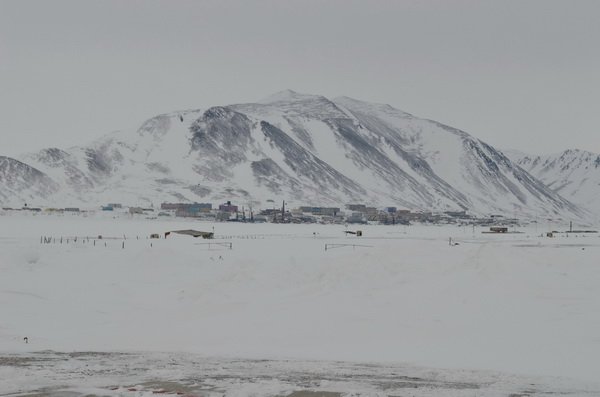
(516, 74)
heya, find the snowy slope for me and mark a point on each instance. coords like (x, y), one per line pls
(306, 149)
(20, 183)
(574, 174)
(457, 166)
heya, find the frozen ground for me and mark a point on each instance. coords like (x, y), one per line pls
(93, 374)
(402, 298)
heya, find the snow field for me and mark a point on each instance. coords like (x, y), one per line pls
(517, 303)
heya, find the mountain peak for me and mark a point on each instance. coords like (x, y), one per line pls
(289, 96)
(295, 103)
(351, 103)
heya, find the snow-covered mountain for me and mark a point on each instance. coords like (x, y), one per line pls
(22, 182)
(306, 149)
(573, 173)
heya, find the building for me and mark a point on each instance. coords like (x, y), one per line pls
(356, 217)
(188, 207)
(356, 207)
(228, 207)
(457, 214)
(327, 211)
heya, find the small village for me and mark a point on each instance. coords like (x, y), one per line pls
(229, 212)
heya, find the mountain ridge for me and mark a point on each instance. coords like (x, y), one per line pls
(304, 148)
(572, 173)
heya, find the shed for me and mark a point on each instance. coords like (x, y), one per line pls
(193, 233)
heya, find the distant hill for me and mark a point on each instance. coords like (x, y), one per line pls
(573, 173)
(306, 149)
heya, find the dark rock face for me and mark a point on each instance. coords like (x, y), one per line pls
(17, 177)
(223, 134)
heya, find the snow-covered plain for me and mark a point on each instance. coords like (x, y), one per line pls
(401, 297)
